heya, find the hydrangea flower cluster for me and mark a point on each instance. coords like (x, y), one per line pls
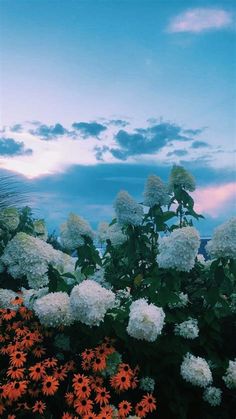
(230, 375)
(31, 295)
(179, 250)
(40, 229)
(179, 177)
(127, 210)
(6, 296)
(155, 192)
(223, 243)
(90, 302)
(183, 301)
(73, 230)
(147, 384)
(188, 329)
(9, 218)
(145, 320)
(29, 256)
(212, 395)
(53, 309)
(111, 232)
(196, 370)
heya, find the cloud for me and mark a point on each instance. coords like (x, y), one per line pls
(179, 153)
(212, 200)
(147, 140)
(89, 129)
(16, 128)
(10, 147)
(201, 19)
(199, 144)
(118, 122)
(49, 132)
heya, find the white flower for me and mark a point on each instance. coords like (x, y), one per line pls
(196, 370)
(73, 230)
(9, 218)
(145, 320)
(201, 259)
(147, 384)
(155, 192)
(183, 301)
(223, 243)
(6, 296)
(179, 177)
(128, 211)
(40, 229)
(53, 309)
(188, 329)
(99, 277)
(31, 295)
(230, 375)
(29, 256)
(179, 249)
(90, 302)
(111, 232)
(212, 395)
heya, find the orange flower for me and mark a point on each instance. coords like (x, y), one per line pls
(22, 331)
(105, 415)
(67, 416)
(25, 313)
(95, 382)
(82, 391)
(27, 341)
(87, 355)
(102, 396)
(140, 410)
(134, 381)
(124, 408)
(39, 351)
(126, 369)
(15, 373)
(22, 406)
(50, 362)
(70, 365)
(80, 380)
(149, 402)
(9, 314)
(17, 301)
(99, 364)
(90, 416)
(121, 381)
(60, 373)
(83, 407)
(69, 398)
(50, 385)
(86, 365)
(39, 406)
(17, 389)
(34, 390)
(4, 390)
(11, 416)
(17, 359)
(37, 371)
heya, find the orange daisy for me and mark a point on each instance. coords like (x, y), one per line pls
(9, 314)
(60, 373)
(50, 362)
(95, 382)
(87, 354)
(80, 380)
(82, 392)
(102, 396)
(25, 313)
(149, 402)
(70, 365)
(90, 416)
(121, 381)
(37, 371)
(50, 385)
(140, 410)
(67, 415)
(69, 396)
(16, 301)
(124, 408)
(99, 364)
(86, 365)
(83, 407)
(11, 416)
(18, 388)
(15, 373)
(39, 406)
(39, 351)
(17, 359)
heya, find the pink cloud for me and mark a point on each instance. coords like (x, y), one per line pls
(200, 19)
(212, 200)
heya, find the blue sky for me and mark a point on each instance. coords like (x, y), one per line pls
(98, 94)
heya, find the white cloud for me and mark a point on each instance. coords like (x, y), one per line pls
(201, 19)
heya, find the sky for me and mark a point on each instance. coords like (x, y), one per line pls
(98, 94)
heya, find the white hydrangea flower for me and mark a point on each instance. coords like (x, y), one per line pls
(181, 178)
(111, 232)
(31, 295)
(6, 296)
(183, 301)
(230, 375)
(155, 192)
(90, 302)
(9, 218)
(201, 259)
(196, 370)
(40, 229)
(223, 243)
(98, 276)
(212, 395)
(188, 329)
(179, 250)
(73, 230)
(145, 320)
(128, 211)
(147, 384)
(53, 309)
